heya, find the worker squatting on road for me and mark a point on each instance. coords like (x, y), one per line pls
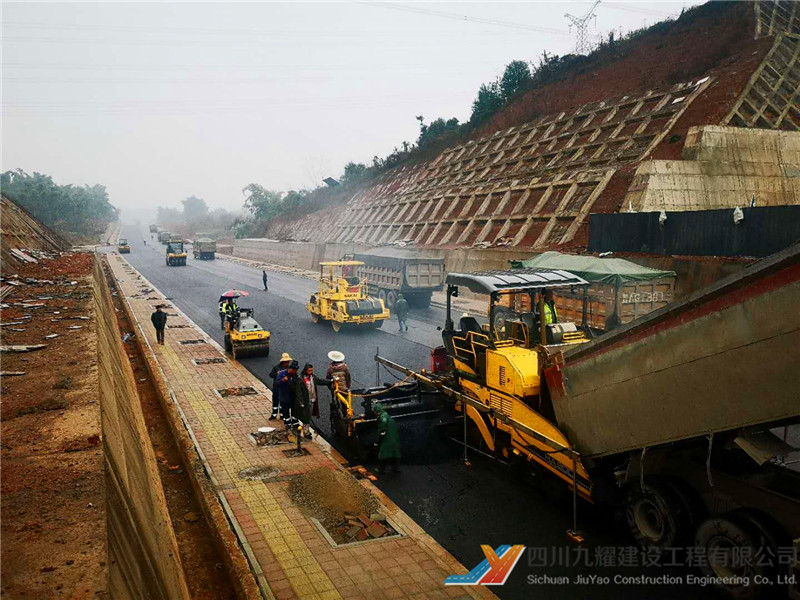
(159, 319)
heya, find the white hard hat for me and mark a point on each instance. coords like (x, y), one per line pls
(335, 356)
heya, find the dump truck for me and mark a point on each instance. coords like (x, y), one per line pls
(342, 298)
(393, 271)
(175, 254)
(153, 228)
(123, 247)
(244, 336)
(164, 237)
(204, 248)
(683, 419)
(620, 290)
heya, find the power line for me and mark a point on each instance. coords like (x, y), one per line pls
(469, 19)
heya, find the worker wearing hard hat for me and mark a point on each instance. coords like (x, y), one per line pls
(283, 363)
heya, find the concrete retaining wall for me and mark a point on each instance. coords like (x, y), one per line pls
(142, 549)
(723, 167)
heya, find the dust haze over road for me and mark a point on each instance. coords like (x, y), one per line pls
(459, 507)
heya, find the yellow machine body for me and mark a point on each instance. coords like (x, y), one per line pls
(245, 337)
(176, 255)
(342, 298)
(123, 247)
(511, 386)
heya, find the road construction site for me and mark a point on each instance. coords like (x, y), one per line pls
(535, 507)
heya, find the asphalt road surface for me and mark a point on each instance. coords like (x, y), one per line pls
(460, 507)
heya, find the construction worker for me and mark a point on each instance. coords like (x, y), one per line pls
(159, 319)
(339, 373)
(231, 310)
(388, 440)
(401, 309)
(283, 363)
(306, 396)
(285, 388)
(550, 314)
(222, 314)
(264, 280)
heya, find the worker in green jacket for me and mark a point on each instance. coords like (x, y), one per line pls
(388, 440)
(401, 310)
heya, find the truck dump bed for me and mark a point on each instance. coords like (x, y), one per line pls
(721, 359)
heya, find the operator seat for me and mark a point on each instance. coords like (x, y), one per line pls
(468, 324)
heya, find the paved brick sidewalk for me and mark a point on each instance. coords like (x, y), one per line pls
(294, 559)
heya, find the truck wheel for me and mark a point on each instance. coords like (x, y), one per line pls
(336, 326)
(656, 516)
(391, 298)
(422, 300)
(732, 544)
(314, 318)
(382, 296)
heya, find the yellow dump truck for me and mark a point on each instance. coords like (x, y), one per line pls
(342, 297)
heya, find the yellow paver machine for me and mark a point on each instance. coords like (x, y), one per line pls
(342, 297)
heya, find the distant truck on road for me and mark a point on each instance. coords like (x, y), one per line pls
(153, 228)
(204, 248)
(393, 271)
(163, 237)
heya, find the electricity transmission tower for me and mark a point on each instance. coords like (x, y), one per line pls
(582, 43)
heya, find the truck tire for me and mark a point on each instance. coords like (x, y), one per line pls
(732, 543)
(382, 296)
(423, 300)
(656, 515)
(391, 298)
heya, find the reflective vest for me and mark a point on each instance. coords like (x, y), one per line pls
(231, 308)
(550, 314)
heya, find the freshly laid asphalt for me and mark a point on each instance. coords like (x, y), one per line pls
(461, 507)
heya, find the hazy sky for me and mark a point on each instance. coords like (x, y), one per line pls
(159, 101)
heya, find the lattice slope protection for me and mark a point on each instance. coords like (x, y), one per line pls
(533, 186)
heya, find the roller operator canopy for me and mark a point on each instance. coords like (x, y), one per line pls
(518, 280)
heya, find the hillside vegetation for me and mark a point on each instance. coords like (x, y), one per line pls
(78, 212)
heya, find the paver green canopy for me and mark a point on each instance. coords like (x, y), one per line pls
(615, 271)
